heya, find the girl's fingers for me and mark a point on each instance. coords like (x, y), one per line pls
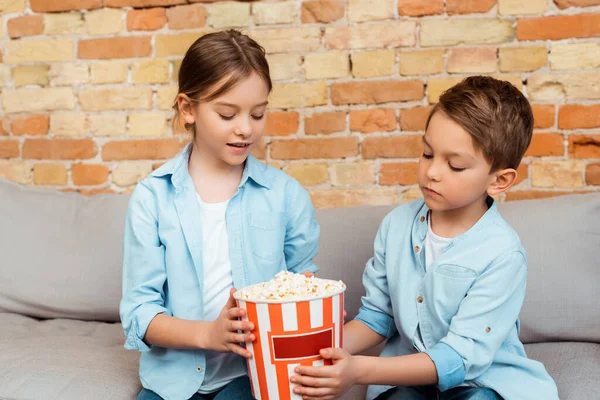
(236, 312)
(242, 326)
(241, 338)
(237, 349)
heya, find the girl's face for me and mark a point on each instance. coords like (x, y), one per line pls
(228, 126)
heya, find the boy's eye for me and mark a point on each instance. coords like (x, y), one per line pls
(456, 169)
(226, 117)
(428, 156)
(258, 117)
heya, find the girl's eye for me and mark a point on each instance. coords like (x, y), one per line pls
(428, 156)
(456, 169)
(258, 117)
(226, 117)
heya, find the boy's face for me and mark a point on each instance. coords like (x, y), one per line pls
(453, 174)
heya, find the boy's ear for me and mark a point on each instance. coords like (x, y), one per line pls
(503, 180)
(185, 106)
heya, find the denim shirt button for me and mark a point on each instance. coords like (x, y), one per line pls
(420, 299)
(417, 248)
(199, 368)
(422, 219)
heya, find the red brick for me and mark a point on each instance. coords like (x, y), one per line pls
(576, 3)
(146, 20)
(187, 17)
(543, 115)
(469, 6)
(592, 174)
(537, 194)
(324, 123)
(418, 8)
(546, 144)
(522, 173)
(31, 125)
(9, 148)
(140, 149)
(322, 11)
(574, 116)
(368, 121)
(405, 146)
(584, 146)
(59, 149)
(29, 25)
(4, 126)
(121, 47)
(314, 148)
(142, 3)
(282, 123)
(559, 27)
(398, 174)
(376, 92)
(89, 174)
(414, 119)
(64, 5)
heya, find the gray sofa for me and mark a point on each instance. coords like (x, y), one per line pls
(60, 286)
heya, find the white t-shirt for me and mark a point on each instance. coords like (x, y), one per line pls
(221, 368)
(434, 245)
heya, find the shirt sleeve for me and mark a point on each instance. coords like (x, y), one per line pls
(376, 310)
(483, 321)
(448, 364)
(302, 231)
(144, 271)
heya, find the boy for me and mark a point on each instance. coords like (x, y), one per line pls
(448, 278)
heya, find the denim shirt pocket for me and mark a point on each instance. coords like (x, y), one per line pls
(267, 235)
(455, 271)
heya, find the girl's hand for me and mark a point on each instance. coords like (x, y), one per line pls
(223, 332)
(327, 382)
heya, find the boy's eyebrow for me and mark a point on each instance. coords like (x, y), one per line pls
(449, 154)
(224, 103)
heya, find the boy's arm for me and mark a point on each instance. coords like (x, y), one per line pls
(301, 232)
(358, 337)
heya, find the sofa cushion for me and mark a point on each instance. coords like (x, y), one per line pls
(575, 367)
(65, 359)
(61, 253)
(562, 238)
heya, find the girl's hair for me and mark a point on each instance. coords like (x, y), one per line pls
(229, 55)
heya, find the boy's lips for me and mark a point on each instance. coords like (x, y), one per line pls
(430, 191)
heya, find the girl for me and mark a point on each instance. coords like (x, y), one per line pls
(211, 219)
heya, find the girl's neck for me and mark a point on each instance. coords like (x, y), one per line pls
(214, 179)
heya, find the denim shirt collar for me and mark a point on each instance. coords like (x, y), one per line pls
(177, 168)
(420, 223)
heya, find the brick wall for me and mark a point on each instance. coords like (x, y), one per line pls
(87, 87)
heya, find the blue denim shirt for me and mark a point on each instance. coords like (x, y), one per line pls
(465, 305)
(271, 227)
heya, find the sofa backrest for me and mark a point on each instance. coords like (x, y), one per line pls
(61, 253)
(62, 257)
(561, 236)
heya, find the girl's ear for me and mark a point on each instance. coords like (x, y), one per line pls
(186, 108)
(503, 180)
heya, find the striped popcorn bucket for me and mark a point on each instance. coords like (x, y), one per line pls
(289, 334)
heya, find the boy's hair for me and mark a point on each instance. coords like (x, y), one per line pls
(216, 56)
(496, 115)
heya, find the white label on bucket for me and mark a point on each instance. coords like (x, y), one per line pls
(336, 320)
(316, 313)
(319, 363)
(264, 324)
(290, 317)
(293, 396)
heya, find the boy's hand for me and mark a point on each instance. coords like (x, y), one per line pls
(327, 382)
(223, 332)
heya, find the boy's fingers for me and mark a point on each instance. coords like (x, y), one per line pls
(310, 381)
(332, 354)
(317, 372)
(313, 392)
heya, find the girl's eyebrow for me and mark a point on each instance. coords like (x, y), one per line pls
(224, 103)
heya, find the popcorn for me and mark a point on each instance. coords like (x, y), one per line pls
(289, 286)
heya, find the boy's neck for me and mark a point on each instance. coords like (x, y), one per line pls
(214, 179)
(452, 223)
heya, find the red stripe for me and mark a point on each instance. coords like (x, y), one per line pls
(303, 312)
(258, 355)
(341, 321)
